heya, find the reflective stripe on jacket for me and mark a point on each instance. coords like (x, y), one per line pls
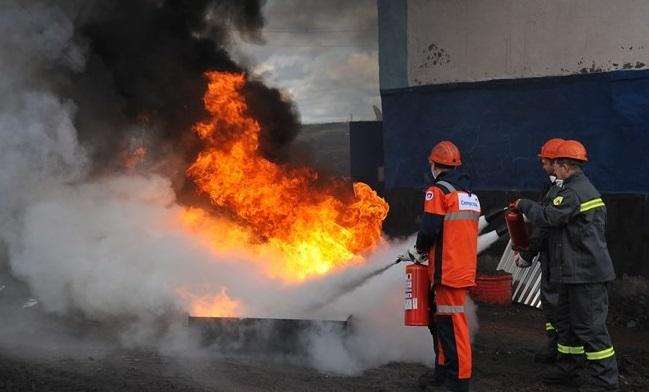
(577, 242)
(453, 255)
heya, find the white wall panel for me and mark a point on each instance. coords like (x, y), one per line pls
(472, 40)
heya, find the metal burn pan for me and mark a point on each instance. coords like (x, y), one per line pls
(264, 335)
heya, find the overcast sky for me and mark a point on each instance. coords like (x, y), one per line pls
(323, 53)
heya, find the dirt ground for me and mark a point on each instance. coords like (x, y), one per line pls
(503, 351)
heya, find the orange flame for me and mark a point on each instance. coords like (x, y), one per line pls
(219, 305)
(291, 212)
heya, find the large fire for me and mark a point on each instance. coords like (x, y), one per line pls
(307, 225)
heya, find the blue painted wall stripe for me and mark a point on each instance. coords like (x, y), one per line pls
(499, 126)
(393, 43)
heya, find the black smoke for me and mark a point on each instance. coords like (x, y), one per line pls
(144, 82)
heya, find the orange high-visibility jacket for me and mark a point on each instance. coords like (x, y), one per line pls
(453, 256)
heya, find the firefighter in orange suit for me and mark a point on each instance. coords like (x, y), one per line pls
(448, 239)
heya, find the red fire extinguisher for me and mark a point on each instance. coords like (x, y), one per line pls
(517, 228)
(416, 300)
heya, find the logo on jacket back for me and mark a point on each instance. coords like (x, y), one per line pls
(429, 196)
(468, 202)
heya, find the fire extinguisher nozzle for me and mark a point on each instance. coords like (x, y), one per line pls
(402, 258)
(490, 217)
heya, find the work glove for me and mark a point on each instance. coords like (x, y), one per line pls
(520, 261)
(518, 248)
(514, 204)
(417, 257)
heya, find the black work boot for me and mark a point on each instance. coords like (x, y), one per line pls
(457, 385)
(433, 378)
(559, 378)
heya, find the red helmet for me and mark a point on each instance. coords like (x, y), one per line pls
(549, 149)
(445, 153)
(571, 149)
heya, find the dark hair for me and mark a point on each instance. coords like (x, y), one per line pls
(572, 163)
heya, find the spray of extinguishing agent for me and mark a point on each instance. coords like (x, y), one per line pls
(484, 242)
(352, 285)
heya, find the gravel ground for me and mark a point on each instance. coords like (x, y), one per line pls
(503, 351)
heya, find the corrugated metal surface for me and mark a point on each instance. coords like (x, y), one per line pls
(526, 282)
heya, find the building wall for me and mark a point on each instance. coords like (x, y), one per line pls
(500, 77)
(471, 40)
(500, 125)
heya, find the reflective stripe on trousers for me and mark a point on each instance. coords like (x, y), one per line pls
(450, 309)
(572, 350)
(453, 333)
(599, 355)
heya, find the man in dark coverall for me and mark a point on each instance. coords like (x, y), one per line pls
(580, 263)
(538, 244)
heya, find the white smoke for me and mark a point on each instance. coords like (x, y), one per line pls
(377, 309)
(38, 141)
(379, 334)
(115, 248)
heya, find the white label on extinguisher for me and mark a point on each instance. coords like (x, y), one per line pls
(409, 301)
(410, 304)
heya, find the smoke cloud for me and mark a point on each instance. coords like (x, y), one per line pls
(113, 250)
(376, 308)
(86, 84)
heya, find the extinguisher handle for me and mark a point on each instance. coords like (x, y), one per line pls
(513, 205)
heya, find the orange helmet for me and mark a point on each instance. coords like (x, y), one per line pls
(445, 153)
(571, 149)
(549, 149)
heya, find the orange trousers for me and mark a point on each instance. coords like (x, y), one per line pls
(453, 346)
